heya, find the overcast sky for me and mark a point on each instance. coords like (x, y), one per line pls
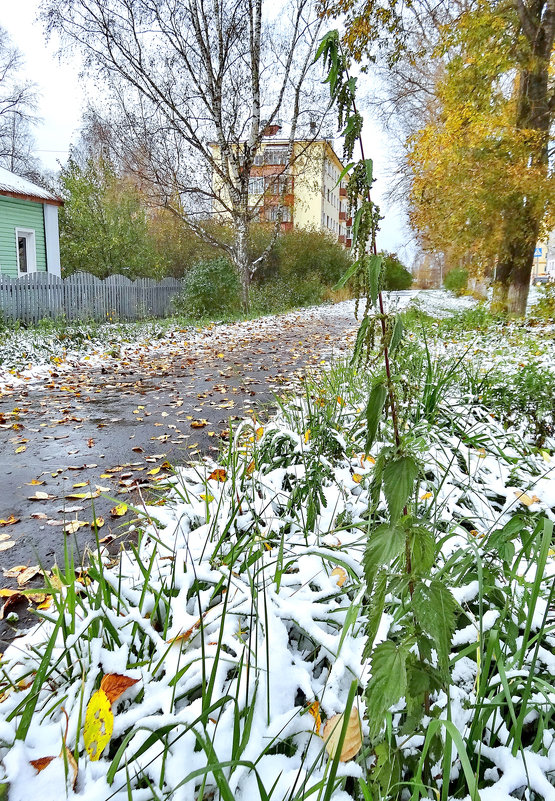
(63, 96)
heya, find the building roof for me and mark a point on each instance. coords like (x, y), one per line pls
(14, 185)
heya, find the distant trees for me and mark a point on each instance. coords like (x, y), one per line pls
(194, 86)
(18, 101)
(477, 78)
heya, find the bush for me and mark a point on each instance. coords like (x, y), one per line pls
(212, 287)
(302, 255)
(394, 275)
(456, 281)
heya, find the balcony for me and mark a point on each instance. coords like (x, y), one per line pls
(348, 243)
(342, 191)
(342, 215)
(341, 239)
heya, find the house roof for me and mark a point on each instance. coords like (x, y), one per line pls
(14, 185)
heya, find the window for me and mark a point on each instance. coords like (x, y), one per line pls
(259, 159)
(256, 185)
(25, 251)
(275, 155)
(272, 213)
(276, 184)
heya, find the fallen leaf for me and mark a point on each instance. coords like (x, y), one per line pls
(353, 736)
(41, 496)
(12, 519)
(357, 478)
(314, 709)
(206, 497)
(98, 522)
(13, 599)
(527, 500)
(27, 574)
(341, 575)
(83, 496)
(198, 423)
(80, 484)
(425, 496)
(119, 510)
(74, 526)
(34, 483)
(5, 546)
(114, 684)
(99, 725)
(41, 763)
(218, 475)
(21, 449)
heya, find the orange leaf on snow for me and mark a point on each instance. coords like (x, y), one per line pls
(314, 709)
(41, 763)
(218, 475)
(114, 684)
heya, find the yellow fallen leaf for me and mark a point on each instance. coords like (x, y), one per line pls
(119, 510)
(527, 500)
(198, 423)
(341, 575)
(425, 496)
(98, 522)
(206, 497)
(153, 472)
(357, 478)
(27, 574)
(353, 736)
(34, 483)
(314, 709)
(80, 484)
(74, 526)
(99, 724)
(21, 449)
(83, 496)
(11, 520)
(306, 435)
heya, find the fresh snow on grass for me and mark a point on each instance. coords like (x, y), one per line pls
(241, 612)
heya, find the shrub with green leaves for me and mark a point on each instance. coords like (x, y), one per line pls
(456, 280)
(395, 276)
(544, 307)
(212, 287)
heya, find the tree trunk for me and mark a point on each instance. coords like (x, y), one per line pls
(242, 260)
(533, 117)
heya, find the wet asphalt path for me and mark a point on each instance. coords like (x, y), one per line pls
(108, 428)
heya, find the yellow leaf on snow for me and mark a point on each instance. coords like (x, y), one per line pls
(119, 510)
(425, 496)
(99, 724)
(527, 500)
(357, 478)
(341, 575)
(314, 709)
(353, 736)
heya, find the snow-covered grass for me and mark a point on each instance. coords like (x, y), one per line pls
(242, 613)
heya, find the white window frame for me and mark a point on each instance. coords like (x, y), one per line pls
(29, 234)
(256, 185)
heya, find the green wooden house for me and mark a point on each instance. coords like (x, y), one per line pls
(29, 238)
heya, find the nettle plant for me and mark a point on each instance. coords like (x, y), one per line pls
(401, 549)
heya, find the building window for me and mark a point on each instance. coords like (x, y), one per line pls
(272, 213)
(259, 159)
(26, 251)
(256, 185)
(275, 155)
(276, 184)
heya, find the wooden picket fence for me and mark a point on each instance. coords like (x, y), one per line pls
(82, 296)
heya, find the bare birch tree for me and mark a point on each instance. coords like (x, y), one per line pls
(17, 112)
(194, 86)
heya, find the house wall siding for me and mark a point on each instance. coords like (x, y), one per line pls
(15, 213)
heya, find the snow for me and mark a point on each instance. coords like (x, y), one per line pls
(238, 613)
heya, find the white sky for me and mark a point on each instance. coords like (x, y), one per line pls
(63, 96)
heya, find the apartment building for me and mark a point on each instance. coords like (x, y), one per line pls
(307, 190)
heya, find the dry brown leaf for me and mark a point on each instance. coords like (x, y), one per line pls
(353, 736)
(6, 545)
(526, 499)
(13, 599)
(42, 763)
(114, 684)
